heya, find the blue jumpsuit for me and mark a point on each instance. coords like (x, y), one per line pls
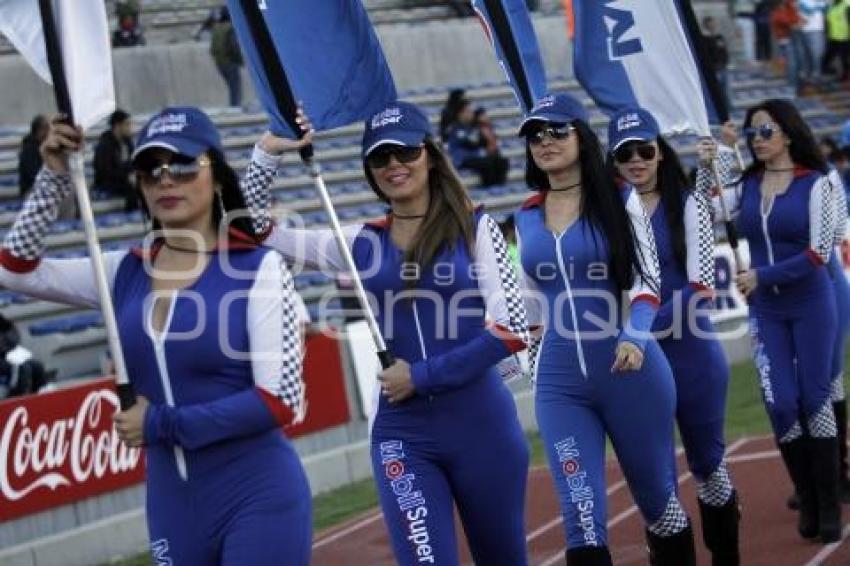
(695, 355)
(578, 398)
(793, 319)
(224, 485)
(458, 440)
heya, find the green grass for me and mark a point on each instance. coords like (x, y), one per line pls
(745, 416)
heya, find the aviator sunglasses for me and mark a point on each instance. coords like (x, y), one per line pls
(380, 158)
(625, 153)
(536, 137)
(180, 169)
(765, 132)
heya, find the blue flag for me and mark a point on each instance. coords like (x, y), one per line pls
(631, 53)
(321, 53)
(508, 26)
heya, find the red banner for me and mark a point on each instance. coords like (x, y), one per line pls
(60, 447)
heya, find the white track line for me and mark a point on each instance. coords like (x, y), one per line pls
(824, 553)
(555, 558)
(348, 530)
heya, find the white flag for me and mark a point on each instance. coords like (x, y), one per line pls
(630, 53)
(83, 31)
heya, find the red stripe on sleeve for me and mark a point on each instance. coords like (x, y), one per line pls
(651, 299)
(511, 341)
(281, 413)
(16, 264)
(814, 257)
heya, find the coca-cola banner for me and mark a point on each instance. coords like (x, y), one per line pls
(60, 447)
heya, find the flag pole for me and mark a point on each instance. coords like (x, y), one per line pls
(285, 100)
(77, 169)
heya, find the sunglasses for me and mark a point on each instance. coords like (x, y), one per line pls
(180, 170)
(765, 132)
(553, 132)
(625, 153)
(380, 158)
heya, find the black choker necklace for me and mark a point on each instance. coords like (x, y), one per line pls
(408, 216)
(650, 191)
(785, 170)
(567, 188)
(185, 250)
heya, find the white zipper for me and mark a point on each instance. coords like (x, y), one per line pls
(768, 243)
(419, 330)
(159, 351)
(563, 270)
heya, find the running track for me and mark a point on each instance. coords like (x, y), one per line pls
(768, 530)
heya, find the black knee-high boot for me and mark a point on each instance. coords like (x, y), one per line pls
(675, 550)
(825, 469)
(720, 531)
(840, 410)
(588, 556)
(796, 456)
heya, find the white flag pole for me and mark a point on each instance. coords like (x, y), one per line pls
(76, 163)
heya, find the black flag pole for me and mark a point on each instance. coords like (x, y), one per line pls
(77, 166)
(719, 100)
(503, 35)
(286, 103)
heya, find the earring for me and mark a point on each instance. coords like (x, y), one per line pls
(221, 208)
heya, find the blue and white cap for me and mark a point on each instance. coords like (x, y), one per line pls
(555, 108)
(402, 123)
(182, 129)
(631, 124)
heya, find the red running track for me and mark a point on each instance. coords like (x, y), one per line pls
(768, 529)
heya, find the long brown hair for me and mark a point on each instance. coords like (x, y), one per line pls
(449, 216)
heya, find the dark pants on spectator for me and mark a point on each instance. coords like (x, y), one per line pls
(231, 75)
(840, 50)
(764, 47)
(493, 169)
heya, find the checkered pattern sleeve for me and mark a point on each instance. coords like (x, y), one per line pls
(707, 184)
(699, 240)
(498, 284)
(67, 281)
(255, 185)
(275, 336)
(822, 218)
(534, 310)
(25, 240)
(840, 197)
(647, 285)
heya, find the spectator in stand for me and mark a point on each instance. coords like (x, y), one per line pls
(814, 39)
(719, 55)
(838, 39)
(764, 42)
(473, 145)
(204, 32)
(454, 103)
(112, 165)
(128, 34)
(786, 23)
(29, 158)
(745, 21)
(225, 51)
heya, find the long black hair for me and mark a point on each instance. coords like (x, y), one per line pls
(804, 148)
(231, 196)
(601, 204)
(673, 183)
